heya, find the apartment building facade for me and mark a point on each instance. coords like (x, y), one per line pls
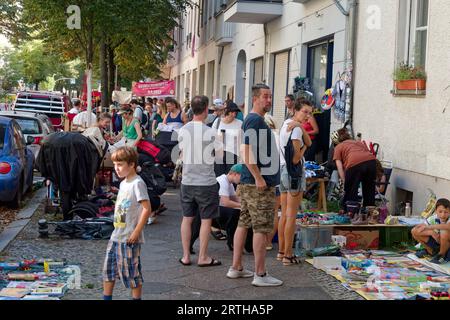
(224, 47)
(411, 126)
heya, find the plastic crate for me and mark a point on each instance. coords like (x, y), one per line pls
(315, 237)
(393, 236)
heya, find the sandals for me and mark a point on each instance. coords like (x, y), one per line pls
(290, 261)
(213, 263)
(218, 235)
(280, 256)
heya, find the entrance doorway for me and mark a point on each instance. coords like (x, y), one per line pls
(320, 72)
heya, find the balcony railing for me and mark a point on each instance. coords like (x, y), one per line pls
(224, 31)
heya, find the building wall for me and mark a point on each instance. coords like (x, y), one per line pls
(283, 34)
(412, 131)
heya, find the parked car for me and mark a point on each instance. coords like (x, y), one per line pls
(34, 125)
(16, 162)
(52, 104)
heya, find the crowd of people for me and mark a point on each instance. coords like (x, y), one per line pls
(237, 175)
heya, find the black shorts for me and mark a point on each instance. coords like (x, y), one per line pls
(203, 198)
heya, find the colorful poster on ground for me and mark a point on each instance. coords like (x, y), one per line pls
(163, 88)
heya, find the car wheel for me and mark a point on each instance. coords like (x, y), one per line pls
(17, 201)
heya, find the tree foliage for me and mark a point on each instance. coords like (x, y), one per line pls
(31, 63)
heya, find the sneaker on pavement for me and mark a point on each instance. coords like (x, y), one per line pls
(266, 281)
(438, 259)
(235, 274)
(151, 220)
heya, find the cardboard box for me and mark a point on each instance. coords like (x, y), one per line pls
(360, 239)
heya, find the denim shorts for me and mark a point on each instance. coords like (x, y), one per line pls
(285, 182)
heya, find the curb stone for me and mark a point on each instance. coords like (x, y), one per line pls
(23, 217)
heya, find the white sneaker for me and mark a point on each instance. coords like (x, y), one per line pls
(235, 274)
(151, 220)
(266, 281)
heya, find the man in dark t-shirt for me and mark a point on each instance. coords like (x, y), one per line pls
(259, 177)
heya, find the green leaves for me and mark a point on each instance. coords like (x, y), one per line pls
(34, 64)
(409, 72)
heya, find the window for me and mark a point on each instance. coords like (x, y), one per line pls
(2, 135)
(19, 139)
(413, 32)
(258, 72)
(320, 68)
(29, 126)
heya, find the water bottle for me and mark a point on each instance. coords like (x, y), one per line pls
(408, 210)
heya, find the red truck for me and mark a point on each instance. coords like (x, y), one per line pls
(52, 104)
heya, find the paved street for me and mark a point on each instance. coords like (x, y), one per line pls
(165, 277)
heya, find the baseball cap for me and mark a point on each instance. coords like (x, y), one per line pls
(218, 102)
(237, 168)
(125, 109)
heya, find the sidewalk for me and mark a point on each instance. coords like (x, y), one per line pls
(165, 277)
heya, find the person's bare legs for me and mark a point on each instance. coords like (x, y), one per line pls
(136, 293)
(282, 224)
(259, 251)
(275, 222)
(423, 238)
(108, 288)
(186, 227)
(445, 243)
(238, 247)
(293, 202)
(205, 231)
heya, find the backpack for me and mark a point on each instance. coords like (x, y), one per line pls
(294, 170)
(160, 153)
(154, 179)
(144, 122)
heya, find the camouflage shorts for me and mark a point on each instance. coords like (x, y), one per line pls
(257, 208)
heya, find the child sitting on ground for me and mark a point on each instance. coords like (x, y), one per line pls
(434, 234)
(130, 216)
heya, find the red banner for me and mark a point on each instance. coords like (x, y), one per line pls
(154, 89)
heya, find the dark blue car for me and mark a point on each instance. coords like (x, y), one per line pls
(16, 163)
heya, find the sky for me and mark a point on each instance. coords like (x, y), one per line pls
(4, 42)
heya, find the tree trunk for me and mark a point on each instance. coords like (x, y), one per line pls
(111, 73)
(104, 75)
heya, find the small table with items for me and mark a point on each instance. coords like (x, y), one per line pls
(322, 199)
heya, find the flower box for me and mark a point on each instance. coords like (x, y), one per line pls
(415, 84)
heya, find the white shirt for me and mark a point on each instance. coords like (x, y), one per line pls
(197, 143)
(138, 114)
(82, 119)
(297, 134)
(128, 209)
(226, 188)
(232, 134)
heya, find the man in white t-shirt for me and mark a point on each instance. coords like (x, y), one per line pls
(82, 121)
(230, 204)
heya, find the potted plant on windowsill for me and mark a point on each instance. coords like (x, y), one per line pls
(408, 77)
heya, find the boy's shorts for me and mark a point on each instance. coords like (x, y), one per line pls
(123, 261)
(257, 208)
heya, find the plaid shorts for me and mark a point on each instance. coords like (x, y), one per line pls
(123, 261)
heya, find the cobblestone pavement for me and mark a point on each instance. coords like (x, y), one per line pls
(165, 277)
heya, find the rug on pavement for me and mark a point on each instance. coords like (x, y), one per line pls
(385, 275)
(37, 280)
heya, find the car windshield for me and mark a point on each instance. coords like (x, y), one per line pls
(29, 126)
(2, 135)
